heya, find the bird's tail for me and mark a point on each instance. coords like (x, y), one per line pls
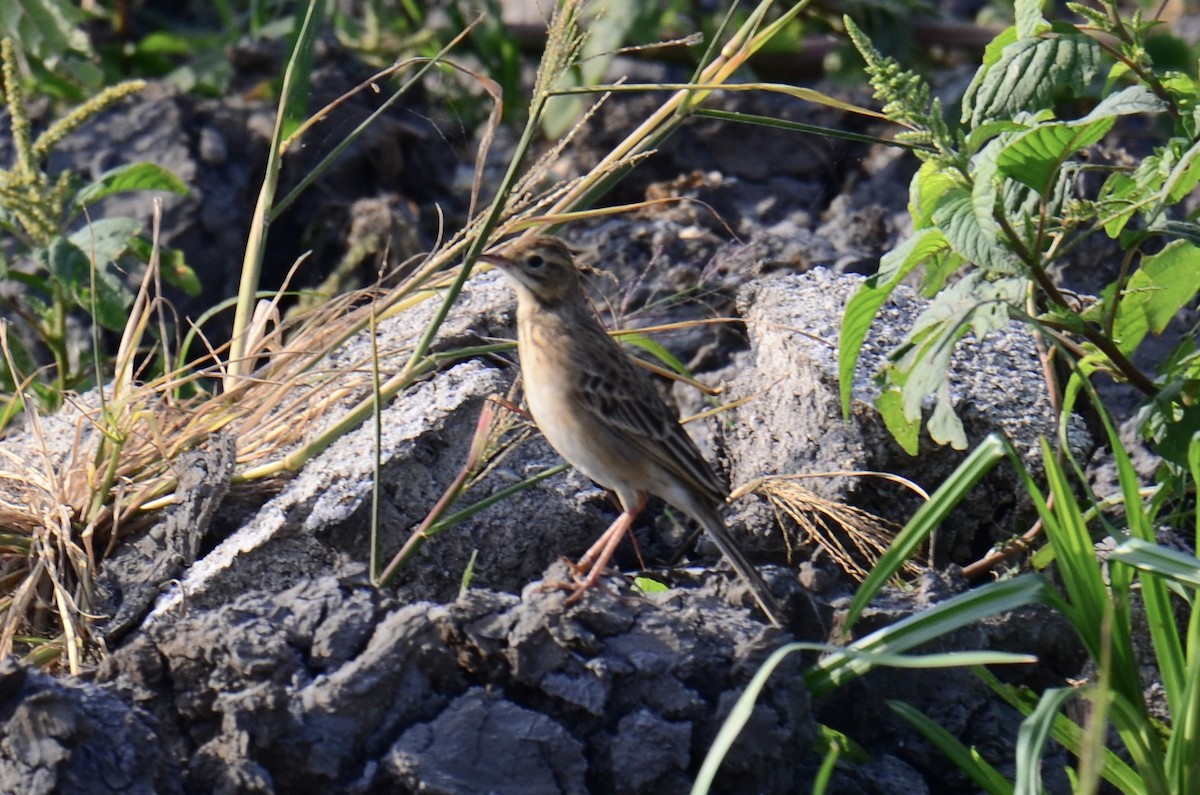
(745, 569)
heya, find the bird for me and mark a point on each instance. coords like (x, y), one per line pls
(602, 413)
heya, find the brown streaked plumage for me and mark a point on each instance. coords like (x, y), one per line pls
(602, 413)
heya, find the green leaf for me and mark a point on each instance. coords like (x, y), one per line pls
(655, 349)
(648, 585)
(107, 239)
(70, 266)
(1030, 21)
(171, 263)
(46, 29)
(1001, 596)
(131, 177)
(955, 216)
(1029, 75)
(928, 186)
(1034, 157)
(906, 432)
(1032, 736)
(866, 301)
(1164, 284)
(927, 519)
(1158, 560)
(1172, 278)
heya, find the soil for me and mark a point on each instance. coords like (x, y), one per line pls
(245, 649)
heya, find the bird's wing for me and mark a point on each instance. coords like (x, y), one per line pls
(620, 396)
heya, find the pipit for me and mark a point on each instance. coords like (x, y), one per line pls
(603, 414)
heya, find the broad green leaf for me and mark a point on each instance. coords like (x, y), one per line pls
(866, 301)
(1164, 284)
(927, 187)
(107, 239)
(1172, 278)
(955, 216)
(132, 177)
(988, 130)
(1178, 423)
(71, 267)
(1034, 157)
(1127, 101)
(1028, 76)
(983, 186)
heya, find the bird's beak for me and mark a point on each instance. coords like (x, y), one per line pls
(494, 259)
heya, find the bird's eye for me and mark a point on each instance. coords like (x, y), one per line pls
(535, 261)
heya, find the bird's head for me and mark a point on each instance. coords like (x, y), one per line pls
(541, 268)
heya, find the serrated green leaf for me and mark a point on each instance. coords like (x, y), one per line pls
(955, 216)
(1127, 101)
(864, 304)
(132, 177)
(1030, 21)
(1034, 157)
(1028, 76)
(1162, 286)
(1172, 277)
(983, 186)
(990, 129)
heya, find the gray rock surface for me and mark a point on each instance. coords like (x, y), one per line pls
(792, 421)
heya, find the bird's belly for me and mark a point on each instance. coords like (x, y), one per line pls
(548, 396)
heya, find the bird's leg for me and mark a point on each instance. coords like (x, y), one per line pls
(591, 566)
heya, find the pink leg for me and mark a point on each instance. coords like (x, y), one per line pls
(596, 559)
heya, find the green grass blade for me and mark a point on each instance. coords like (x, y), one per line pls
(1037, 727)
(962, 610)
(926, 520)
(965, 759)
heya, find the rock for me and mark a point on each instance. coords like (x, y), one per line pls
(60, 735)
(791, 421)
(616, 693)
